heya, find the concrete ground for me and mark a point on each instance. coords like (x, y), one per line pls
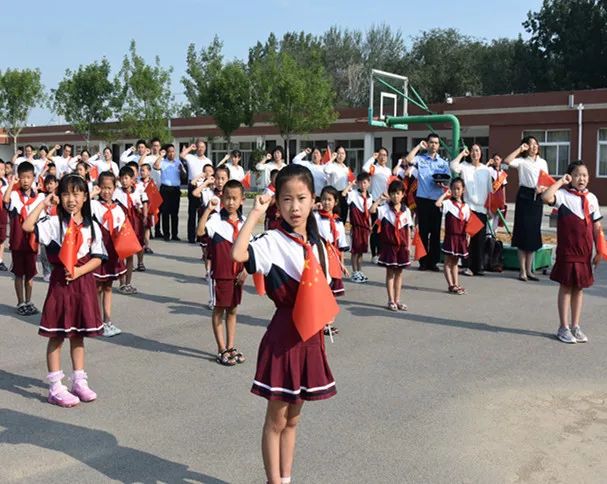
(468, 388)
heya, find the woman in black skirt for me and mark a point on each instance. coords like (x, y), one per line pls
(527, 236)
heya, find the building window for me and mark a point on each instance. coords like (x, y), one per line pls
(555, 147)
(355, 149)
(601, 159)
(483, 142)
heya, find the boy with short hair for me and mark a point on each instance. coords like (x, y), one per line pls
(227, 276)
(19, 203)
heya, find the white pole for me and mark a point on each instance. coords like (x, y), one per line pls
(580, 108)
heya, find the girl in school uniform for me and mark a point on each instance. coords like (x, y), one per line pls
(204, 181)
(134, 203)
(71, 309)
(289, 371)
(110, 217)
(394, 220)
(578, 226)
(82, 169)
(272, 220)
(455, 245)
(526, 235)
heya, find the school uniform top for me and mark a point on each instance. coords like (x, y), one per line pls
(196, 165)
(20, 205)
(324, 229)
(137, 198)
(379, 177)
(221, 236)
(3, 212)
(154, 174)
(170, 172)
(50, 234)
(456, 216)
(337, 175)
(357, 203)
(386, 217)
(495, 174)
(529, 170)
(99, 210)
(210, 194)
(318, 172)
(265, 169)
(477, 180)
(236, 172)
(426, 167)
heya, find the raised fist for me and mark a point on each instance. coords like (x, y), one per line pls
(308, 151)
(567, 179)
(423, 144)
(192, 147)
(57, 147)
(524, 147)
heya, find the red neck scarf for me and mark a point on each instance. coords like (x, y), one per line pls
(332, 217)
(585, 204)
(25, 204)
(397, 224)
(460, 209)
(235, 231)
(108, 216)
(365, 197)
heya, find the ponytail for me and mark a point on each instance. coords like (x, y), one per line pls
(315, 239)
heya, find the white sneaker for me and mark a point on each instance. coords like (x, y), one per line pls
(363, 278)
(110, 330)
(564, 334)
(578, 335)
(355, 277)
(375, 259)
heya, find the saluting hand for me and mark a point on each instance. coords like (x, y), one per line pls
(262, 202)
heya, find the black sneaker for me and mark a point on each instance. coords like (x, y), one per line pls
(176, 239)
(3, 268)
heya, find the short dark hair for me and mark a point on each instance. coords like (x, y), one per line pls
(43, 148)
(145, 165)
(133, 165)
(383, 148)
(396, 186)
(223, 168)
(154, 140)
(236, 153)
(362, 176)
(574, 165)
(126, 170)
(167, 146)
(107, 174)
(233, 184)
(433, 135)
(141, 141)
(334, 192)
(29, 146)
(457, 179)
(49, 178)
(25, 167)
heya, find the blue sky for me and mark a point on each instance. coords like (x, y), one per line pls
(55, 35)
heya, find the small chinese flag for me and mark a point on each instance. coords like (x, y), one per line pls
(154, 196)
(72, 240)
(260, 283)
(391, 179)
(497, 184)
(372, 170)
(335, 270)
(315, 305)
(125, 241)
(601, 244)
(94, 173)
(326, 156)
(351, 176)
(474, 225)
(246, 181)
(545, 180)
(420, 250)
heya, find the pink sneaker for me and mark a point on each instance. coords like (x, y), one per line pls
(81, 389)
(62, 397)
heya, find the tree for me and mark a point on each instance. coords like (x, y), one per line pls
(218, 90)
(144, 103)
(569, 38)
(20, 92)
(86, 98)
(299, 98)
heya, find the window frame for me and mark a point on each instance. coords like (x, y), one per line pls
(544, 143)
(600, 143)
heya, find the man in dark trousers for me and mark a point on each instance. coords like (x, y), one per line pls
(429, 216)
(170, 189)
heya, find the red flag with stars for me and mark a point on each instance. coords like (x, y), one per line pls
(351, 176)
(154, 196)
(246, 181)
(545, 180)
(315, 305)
(72, 240)
(420, 250)
(326, 156)
(473, 225)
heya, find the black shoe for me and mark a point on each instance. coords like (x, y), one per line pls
(435, 268)
(175, 238)
(422, 268)
(3, 268)
(157, 235)
(166, 238)
(191, 241)
(479, 273)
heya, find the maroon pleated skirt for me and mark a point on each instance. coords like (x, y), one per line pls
(455, 244)
(391, 255)
(287, 368)
(113, 267)
(572, 274)
(337, 286)
(227, 293)
(71, 309)
(360, 239)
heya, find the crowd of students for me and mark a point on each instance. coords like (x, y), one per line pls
(305, 206)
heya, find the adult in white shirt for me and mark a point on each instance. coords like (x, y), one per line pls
(103, 161)
(315, 166)
(134, 153)
(66, 163)
(377, 167)
(337, 173)
(478, 183)
(265, 166)
(28, 155)
(195, 164)
(527, 235)
(236, 170)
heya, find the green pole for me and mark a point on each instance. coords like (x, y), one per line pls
(399, 121)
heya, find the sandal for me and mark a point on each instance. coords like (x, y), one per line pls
(459, 290)
(237, 355)
(523, 278)
(225, 358)
(452, 289)
(392, 306)
(401, 307)
(531, 277)
(330, 330)
(140, 267)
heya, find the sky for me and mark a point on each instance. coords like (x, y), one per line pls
(53, 36)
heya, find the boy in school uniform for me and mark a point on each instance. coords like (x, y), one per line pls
(19, 200)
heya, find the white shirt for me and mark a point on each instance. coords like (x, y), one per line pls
(15, 203)
(337, 175)
(450, 207)
(48, 231)
(379, 179)
(574, 203)
(529, 170)
(324, 230)
(196, 165)
(385, 212)
(236, 171)
(98, 210)
(318, 172)
(355, 197)
(64, 165)
(478, 182)
(37, 162)
(103, 165)
(265, 169)
(138, 197)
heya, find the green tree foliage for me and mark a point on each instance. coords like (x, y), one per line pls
(20, 92)
(144, 102)
(217, 89)
(569, 41)
(86, 97)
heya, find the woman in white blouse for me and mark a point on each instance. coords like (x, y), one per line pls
(315, 166)
(527, 235)
(477, 179)
(337, 176)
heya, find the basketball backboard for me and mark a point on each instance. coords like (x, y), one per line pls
(388, 96)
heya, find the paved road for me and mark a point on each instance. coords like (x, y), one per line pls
(459, 389)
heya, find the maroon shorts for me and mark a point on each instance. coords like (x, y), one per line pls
(24, 264)
(227, 293)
